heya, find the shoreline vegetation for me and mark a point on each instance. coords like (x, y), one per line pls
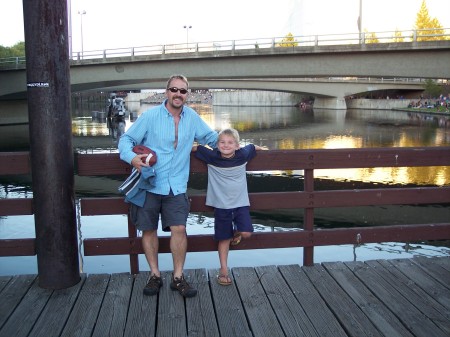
(434, 111)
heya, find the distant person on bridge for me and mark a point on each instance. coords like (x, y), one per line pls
(169, 129)
(227, 193)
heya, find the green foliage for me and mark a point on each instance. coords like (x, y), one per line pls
(288, 41)
(426, 26)
(432, 89)
(17, 50)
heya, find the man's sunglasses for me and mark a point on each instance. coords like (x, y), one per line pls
(175, 89)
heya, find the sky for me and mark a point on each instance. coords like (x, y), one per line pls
(110, 24)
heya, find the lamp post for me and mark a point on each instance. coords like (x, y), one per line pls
(187, 36)
(83, 12)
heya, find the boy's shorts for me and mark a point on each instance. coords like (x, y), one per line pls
(226, 221)
(174, 211)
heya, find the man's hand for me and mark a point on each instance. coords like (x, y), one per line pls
(139, 161)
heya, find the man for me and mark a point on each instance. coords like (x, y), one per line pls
(170, 130)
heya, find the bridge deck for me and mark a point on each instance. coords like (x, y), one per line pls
(404, 297)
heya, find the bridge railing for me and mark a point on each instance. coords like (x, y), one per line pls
(308, 199)
(250, 44)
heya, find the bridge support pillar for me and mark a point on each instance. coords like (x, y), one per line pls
(335, 103)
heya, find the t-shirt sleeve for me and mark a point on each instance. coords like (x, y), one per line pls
(249, 151)
(203, 153)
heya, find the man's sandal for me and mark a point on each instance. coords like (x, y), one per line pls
(224, 280)
(236, 239)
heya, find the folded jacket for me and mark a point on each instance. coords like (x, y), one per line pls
(137, 184)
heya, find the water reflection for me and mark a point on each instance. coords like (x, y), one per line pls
(277, 128)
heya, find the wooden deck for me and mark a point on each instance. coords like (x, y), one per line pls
(404, 297)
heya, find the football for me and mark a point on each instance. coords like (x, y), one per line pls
(151, 155)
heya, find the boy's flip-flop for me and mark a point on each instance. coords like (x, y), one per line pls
(224, 280)
(236, 239)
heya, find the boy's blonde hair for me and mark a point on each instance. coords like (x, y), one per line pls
(230, 132)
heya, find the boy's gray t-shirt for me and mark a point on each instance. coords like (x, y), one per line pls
(227, 180)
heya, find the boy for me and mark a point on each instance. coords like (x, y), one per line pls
(227, 193)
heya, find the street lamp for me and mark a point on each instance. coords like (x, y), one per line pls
(83, 12)
(187, 36)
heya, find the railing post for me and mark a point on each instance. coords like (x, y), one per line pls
(134, 258)
(308, 218)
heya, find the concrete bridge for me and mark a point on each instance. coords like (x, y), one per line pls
(326, 72)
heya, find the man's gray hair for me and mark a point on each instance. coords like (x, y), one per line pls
(177, 77)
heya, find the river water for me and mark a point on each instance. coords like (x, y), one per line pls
(277, 128)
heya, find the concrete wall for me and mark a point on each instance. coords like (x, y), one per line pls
(378, 104)
(255, 98)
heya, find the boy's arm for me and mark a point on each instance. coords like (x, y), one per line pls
(258, 148)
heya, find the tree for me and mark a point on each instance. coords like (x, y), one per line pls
(371, 38)
(432, 88)
(426, 26)
(398, 37)
(17, 50)
(288, 41)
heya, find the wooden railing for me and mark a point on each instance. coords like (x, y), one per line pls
(309, 199)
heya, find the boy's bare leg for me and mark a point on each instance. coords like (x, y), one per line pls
(223, 249)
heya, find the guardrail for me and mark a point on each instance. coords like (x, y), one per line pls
(416, 36)
(308, 199)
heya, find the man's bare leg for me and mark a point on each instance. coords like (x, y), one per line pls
(150, 244)
(178, 247)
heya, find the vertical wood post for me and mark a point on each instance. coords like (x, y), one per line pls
(308, 218)
(48, 95)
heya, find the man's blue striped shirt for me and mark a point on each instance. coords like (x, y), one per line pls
(155, 128)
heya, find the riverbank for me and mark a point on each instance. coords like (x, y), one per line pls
(434, 111)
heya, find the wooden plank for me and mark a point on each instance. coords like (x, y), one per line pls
(142, 313)
(14, 163)
(436, 271)
(325, 237)
(110, 163)
(17, 247)
(36, 298)
(414, 294)
(375, 310)
(4, 280)
(323, 320)
(16, 206)
(288, 310)
(230, 313)
(171, 310)
(113, 313)
(283, 200)
(261, 317)
(351, 317)
(423, 280)
(55, 314)
(412, 318)
(85, 311)
(201, 321)
(443, 262)
(12, 294)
